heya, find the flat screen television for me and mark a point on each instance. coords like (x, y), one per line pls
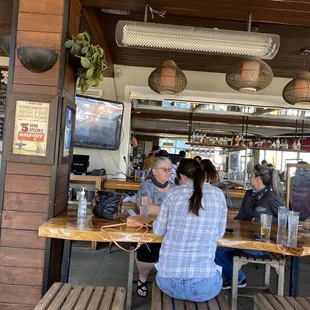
(98, 123)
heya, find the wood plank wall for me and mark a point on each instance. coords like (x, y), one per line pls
(32, 192)
(6, 10)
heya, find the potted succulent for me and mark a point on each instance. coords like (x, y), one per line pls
(88, 58)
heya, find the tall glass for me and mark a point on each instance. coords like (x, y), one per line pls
(144, 203)
(293, 220)
(265, 228)
(282, 217)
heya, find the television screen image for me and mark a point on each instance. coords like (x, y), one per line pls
(98, 123)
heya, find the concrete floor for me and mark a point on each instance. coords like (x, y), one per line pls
(100, 268)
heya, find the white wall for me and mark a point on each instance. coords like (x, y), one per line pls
(4, 61)
(112, 161)
(202, 86)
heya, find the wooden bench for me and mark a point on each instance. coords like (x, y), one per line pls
(161, 301)
(67, 296)
(276, 302)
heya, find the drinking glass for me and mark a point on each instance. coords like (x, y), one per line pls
(265, 228)
(144, 203)
(282, 217)
(293, 220)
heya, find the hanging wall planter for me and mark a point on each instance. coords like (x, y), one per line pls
(37, 59)
(88, 61)
(5, 43)
(75, 56)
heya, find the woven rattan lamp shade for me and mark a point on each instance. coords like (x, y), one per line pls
(168, 79)
(249, 75)
(298, 89)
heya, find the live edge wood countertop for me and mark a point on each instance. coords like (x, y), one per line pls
(66, 226)
(124, 185)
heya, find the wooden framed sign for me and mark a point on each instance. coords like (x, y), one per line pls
(4, 74)
(66, 131)
(30, 128)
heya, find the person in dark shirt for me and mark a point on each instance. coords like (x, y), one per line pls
(265, 197)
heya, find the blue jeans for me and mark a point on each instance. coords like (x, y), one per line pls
(224, 258)
(193, 289)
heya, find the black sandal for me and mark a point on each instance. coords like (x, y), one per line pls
(143, 287)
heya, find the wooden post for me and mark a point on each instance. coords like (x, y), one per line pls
(35, 188)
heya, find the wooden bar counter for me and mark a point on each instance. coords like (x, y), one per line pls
(65, 226)
(124, 185)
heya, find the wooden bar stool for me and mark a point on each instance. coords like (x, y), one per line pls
(269, 260)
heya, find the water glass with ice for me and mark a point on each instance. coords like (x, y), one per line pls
(293, 220)
(282, 217)
(144, 203)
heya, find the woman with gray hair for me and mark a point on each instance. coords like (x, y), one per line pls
(156, 186)
(265, 197)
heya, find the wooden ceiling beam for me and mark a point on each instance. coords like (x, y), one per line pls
(274, 12)
(98, 36)
(131, 5)
(214, 119)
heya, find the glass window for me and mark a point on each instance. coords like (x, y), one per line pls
(172, 146)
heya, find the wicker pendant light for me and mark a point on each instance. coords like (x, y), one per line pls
(168, 79)
(249, 75)
(297, 91)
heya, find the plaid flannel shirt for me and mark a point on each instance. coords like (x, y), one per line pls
(189, 243)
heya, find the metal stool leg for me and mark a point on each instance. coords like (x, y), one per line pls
(110, 247)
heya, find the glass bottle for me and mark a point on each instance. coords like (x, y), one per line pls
(278, 143)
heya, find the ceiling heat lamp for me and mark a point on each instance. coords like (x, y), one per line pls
(195, 39)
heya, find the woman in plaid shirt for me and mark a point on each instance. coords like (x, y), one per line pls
(191, 219)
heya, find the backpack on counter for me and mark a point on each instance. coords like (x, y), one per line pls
(107, 204)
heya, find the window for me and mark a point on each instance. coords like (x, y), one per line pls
(172, 146)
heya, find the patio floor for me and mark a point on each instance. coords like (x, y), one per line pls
(101, 268)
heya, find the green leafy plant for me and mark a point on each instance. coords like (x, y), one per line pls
(92, 60)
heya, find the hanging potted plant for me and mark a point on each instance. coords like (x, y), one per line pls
(88, 59)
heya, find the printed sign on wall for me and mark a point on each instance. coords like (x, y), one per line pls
(31, 128)
(4, 74)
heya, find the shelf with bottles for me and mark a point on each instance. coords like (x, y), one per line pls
(199, 138)
(274, 149)
(259, 145)
(217, 145)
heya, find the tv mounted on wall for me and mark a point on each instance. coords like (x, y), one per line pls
(98, 123)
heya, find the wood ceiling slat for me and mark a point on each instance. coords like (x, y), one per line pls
(279, 12)
(267, 4)
(133, 5)
(286, 64)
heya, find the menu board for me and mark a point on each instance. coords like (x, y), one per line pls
(3, 87)
(31, 128)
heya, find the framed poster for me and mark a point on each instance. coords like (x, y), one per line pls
(30, 128)
(66, 131)
(4, 75)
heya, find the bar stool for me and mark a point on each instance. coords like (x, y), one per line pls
(269, 260)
